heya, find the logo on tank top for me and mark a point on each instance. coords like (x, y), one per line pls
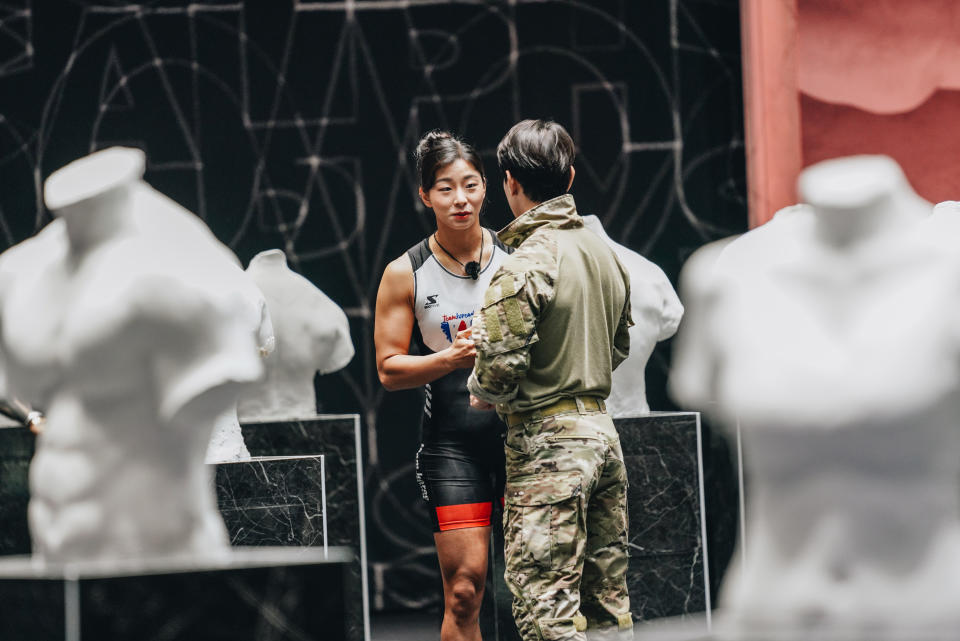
(453, 323)
(431, 301)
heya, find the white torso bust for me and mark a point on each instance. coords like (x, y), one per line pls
(656, 312)
(123, 337)
(312, 334)
(833, 336)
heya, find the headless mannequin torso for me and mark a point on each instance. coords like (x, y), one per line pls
(130, 345)
(837, 354)
(656, 312)
(312, 334)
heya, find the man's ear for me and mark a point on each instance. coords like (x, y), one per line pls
(573, 172)
(424, 198)
(511, 184)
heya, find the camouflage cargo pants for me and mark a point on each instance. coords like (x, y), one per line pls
(565, 526)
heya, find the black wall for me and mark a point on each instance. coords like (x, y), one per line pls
(290, 123)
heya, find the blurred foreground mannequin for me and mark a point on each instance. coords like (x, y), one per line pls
(115, 320)
(833, 336)
(656, 311)
(312, 335)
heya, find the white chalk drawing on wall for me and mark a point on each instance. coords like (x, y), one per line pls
(292, 149)
(16, 37)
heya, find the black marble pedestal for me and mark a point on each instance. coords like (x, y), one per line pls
(16, 450)
(265, 501)
(274, 500)
(335, 437)
(281, 500)
(252, 595)
(668, 575)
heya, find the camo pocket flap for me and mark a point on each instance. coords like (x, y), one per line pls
(507, 317)
(548, 488)
(505, 287)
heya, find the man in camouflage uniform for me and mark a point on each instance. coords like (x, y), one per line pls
(552, 327)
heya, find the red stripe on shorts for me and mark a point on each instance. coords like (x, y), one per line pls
(457, 517)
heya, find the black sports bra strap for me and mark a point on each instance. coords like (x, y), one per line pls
(419, 253)
(499, 243)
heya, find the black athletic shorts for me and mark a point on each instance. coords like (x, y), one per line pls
(461, 480)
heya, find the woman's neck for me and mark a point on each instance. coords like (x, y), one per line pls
(464, 244)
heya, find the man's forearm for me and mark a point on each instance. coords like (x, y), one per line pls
(475, 388)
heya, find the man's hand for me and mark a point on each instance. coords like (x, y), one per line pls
(462, 352)
(480, 404)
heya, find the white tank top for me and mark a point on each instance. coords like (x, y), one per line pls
(444, 304)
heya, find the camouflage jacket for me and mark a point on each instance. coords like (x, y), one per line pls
(554, 320)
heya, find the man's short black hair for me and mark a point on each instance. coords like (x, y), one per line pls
(539, 154)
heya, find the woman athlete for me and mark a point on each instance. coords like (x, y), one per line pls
(429, 296)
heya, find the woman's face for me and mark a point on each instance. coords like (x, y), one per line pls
(456, 195)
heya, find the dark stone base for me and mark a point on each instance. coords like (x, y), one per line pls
(667, 575)
(273, 500)
(258, 594)
(337, 438)
(280, 489)
(276, 498)
(16, 450)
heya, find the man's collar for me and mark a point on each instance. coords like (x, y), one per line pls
(559, 212)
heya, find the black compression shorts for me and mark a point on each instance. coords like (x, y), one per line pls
(461, 480)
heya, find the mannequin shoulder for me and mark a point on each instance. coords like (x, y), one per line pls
(46, 247)
(139, 279)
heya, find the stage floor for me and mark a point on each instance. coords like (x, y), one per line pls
(406, 626)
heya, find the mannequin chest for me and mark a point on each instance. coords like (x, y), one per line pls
(65, 323)
(854, 343)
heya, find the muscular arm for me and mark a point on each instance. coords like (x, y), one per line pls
(393, 327)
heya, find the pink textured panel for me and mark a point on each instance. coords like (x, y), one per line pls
(883, 56)
(925, 141)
